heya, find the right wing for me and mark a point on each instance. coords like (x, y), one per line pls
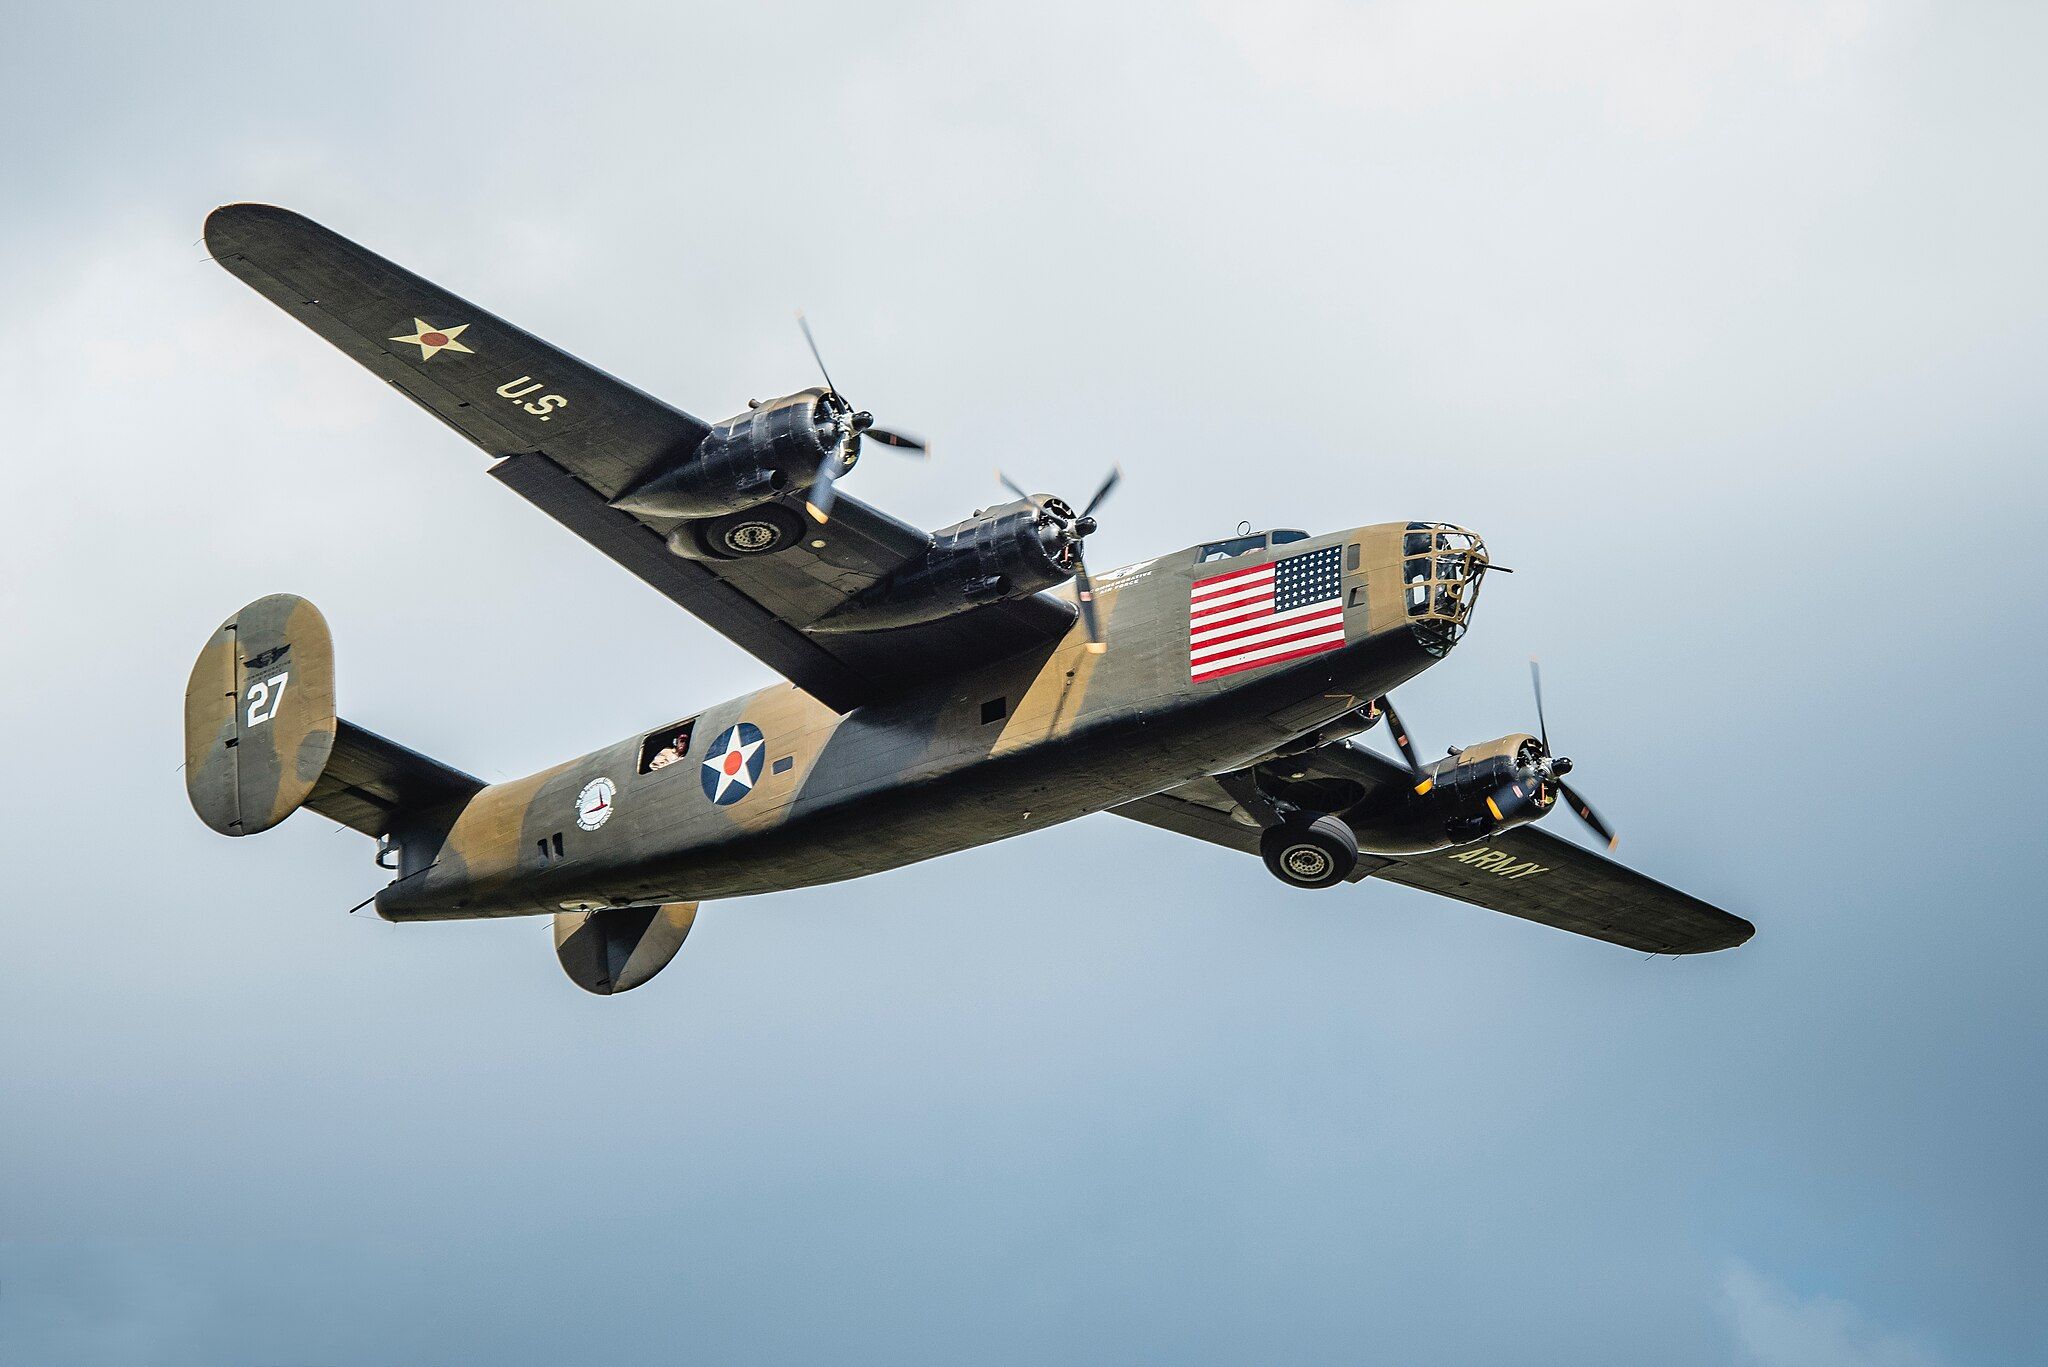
(570, 438)
(1525, 872)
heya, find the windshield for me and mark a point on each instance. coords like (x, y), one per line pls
(1237, 545)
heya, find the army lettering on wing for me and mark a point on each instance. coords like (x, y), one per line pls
(542, 407)
(1497, 862)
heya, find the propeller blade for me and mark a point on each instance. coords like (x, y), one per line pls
(1536, 682)
(823, 491)
(812, 342)
(1011, 485)
(1116, 474)
(1585, 812)
(899, 440)
(1404, 745)
(1084, 593)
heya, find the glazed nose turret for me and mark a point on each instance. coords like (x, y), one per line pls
(1441, 566)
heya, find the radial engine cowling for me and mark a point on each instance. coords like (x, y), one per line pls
(1479, 792)
(1012, 551)
(774, 447)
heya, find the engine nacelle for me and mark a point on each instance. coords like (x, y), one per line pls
(1012, 551)
(1477, 793)
(774, 447)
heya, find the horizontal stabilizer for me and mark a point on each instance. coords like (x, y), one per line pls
(369, 780)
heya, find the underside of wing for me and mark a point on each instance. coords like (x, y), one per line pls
(1203, 811)
(577, 442)
(1525, 872)
(764, 603)
(1543, 877)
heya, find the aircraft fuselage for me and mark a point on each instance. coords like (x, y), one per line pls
(778, 791)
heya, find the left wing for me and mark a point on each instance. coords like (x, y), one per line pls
(1525, 872)
(570, 438)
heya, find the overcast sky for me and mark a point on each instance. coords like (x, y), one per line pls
(1724, 322)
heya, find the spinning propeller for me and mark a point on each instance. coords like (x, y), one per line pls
(1556, 767)
(1385, 705)
(1072, 530)
(1550, 769)
(849, 426)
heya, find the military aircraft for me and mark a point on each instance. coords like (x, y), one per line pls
(943, 690)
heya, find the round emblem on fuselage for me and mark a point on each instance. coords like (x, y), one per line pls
(594, 803)
(733, 765)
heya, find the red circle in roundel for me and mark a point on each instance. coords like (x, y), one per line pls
(434, 338)
(734, 761)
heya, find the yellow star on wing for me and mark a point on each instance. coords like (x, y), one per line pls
(432, 341)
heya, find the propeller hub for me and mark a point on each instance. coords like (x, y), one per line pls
(1560, 766)
(1083, 526)
(842, 427)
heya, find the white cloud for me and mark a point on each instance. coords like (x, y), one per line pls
(1776, 1327)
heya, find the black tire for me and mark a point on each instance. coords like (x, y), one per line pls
(751, 531)
(1304, 853)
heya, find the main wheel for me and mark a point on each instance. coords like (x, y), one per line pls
(751, 531)
(1310, 854)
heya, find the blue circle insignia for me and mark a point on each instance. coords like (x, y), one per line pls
(733, 765)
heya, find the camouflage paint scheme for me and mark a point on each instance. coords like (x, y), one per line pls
(272, 662)
(922, 776)
(888, 745)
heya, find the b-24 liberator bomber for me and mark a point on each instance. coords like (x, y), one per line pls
(943, 690)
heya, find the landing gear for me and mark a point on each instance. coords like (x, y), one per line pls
(1307, 852)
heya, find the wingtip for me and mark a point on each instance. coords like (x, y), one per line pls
(227, 222)
(1734, 936)
(237, 211)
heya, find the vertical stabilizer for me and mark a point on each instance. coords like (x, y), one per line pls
(259, 715)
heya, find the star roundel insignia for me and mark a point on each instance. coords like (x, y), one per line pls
(733, 766)
(432, 341)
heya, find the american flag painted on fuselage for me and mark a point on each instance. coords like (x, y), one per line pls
(1263, 614)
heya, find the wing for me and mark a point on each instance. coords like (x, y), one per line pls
(1525, 872)
(1531, 873)
(569, 438)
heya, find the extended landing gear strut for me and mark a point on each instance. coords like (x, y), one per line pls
(1303, 849)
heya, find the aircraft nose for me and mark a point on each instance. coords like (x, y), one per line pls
(1441, 566)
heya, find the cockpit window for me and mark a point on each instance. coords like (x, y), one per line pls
(1237, 545)
(1283, 535)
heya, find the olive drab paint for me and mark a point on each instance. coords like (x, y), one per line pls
(259, 715)
(943, 691)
